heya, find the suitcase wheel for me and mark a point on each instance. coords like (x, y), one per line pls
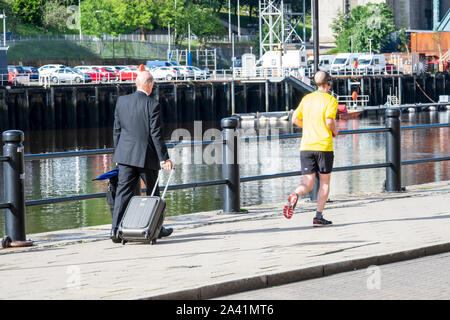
(124, 241)
(153, 241)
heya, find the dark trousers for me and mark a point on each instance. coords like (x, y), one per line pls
(128, 178)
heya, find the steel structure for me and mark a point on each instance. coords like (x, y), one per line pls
(277, 25)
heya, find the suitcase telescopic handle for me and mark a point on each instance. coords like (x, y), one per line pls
(167, 185)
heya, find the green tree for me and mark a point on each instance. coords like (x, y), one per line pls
(29, 11)
(140, 14)
(368, 26)
(98, 17)
(54, 15)
(204, 23)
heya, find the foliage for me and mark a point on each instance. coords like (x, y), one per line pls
(373, 21)
(203, 23)
(119, 17)
(54, 15)
(29, 11)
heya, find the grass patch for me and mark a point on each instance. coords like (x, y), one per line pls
(44, 49)
(333, 51)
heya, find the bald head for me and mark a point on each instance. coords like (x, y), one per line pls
(321, 78)
(143, 79)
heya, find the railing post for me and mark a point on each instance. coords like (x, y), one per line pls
(393, 150)
(230, 166)
(13, 183)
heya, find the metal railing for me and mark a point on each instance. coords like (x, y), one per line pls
(13, 167)
(151, 38)
(392, 70)
(360, 102)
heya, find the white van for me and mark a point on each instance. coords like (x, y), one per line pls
(343, 63)
(371, 64)
(325, 62)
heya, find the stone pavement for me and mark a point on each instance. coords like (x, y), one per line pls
(211, 255)
(419, 279)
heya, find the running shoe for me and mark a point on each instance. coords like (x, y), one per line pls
(288, 210)
(321, 222)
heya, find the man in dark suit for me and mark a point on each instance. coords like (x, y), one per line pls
(139, 146)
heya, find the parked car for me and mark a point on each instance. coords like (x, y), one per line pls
(69, 75)
(16, 74)
(371, 64)
(343, 63)
(199, 73)
(185, 72)
(95, 74)
(156, 63)
(84, 69)
(49, 68)
(106, 74)
(127, 74)
(116, 69)
(33, 73)
(165, 73)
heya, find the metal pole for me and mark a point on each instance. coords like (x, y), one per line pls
(229, 20)
(393, 150)
(304, 22)
(260, 32)
(4, 29)
(239, 21)
(315, 11)
(230, 166)
(79, 9)
(168, 57)
(13, 182)
(233, 101)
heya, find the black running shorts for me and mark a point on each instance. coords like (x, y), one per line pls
(316, 161)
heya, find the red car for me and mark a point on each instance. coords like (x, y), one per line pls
(103, 74)
(14, 72)
(129, 73)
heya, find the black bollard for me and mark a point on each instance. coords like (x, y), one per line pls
(13, 182)
(230, 166)
(393, 150)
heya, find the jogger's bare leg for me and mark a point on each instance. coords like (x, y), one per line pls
(307, 184)
(324, 191)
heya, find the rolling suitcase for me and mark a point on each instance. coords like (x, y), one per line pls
(144, 217)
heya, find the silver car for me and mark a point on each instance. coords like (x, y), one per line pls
(69, 75)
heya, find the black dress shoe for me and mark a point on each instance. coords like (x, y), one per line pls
(165, 232)
(116, 240)
(113, 236)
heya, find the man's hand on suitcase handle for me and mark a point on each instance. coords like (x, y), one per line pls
(167, 165)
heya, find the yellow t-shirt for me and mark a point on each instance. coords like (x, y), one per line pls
(313, 110)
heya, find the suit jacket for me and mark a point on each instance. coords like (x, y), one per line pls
(138, 139)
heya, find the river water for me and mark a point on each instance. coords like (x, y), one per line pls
(72, 176)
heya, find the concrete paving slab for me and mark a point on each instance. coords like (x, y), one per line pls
(210, 255)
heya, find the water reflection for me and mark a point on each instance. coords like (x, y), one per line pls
(71, 176)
